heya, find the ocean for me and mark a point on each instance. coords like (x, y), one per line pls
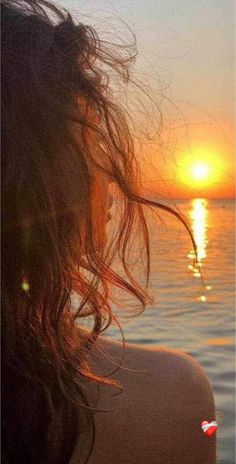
(188, 314)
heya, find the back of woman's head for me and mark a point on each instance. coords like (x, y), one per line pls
(63, 140)
(60, 131)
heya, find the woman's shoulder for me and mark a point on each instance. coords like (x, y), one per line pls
(154, 367)
(157, 418)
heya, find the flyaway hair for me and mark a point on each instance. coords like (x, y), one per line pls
(55, 72)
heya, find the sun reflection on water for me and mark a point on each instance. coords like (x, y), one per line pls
(199, 219)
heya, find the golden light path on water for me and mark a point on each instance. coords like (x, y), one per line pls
(199, 222)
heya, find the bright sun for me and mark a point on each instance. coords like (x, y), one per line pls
(200, 169)
(200, 172)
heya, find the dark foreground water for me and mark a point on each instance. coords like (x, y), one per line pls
(184, 315)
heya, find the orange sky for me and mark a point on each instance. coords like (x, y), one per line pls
(186, 61)
(169, 170)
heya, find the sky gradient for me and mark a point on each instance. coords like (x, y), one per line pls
(187, 57)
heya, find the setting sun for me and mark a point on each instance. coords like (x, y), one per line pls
(200, 171)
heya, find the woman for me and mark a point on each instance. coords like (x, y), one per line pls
(64, 140)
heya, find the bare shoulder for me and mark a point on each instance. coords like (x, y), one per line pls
(158, 416)
(180, 398)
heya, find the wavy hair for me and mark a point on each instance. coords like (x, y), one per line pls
(54, 70)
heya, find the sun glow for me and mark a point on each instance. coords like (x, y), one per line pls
(201, 168)
(200, 171)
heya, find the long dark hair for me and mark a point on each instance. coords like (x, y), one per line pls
(50, 65)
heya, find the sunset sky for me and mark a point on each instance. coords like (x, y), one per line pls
(186, 54)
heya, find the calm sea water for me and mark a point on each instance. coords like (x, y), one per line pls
(184, 315)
